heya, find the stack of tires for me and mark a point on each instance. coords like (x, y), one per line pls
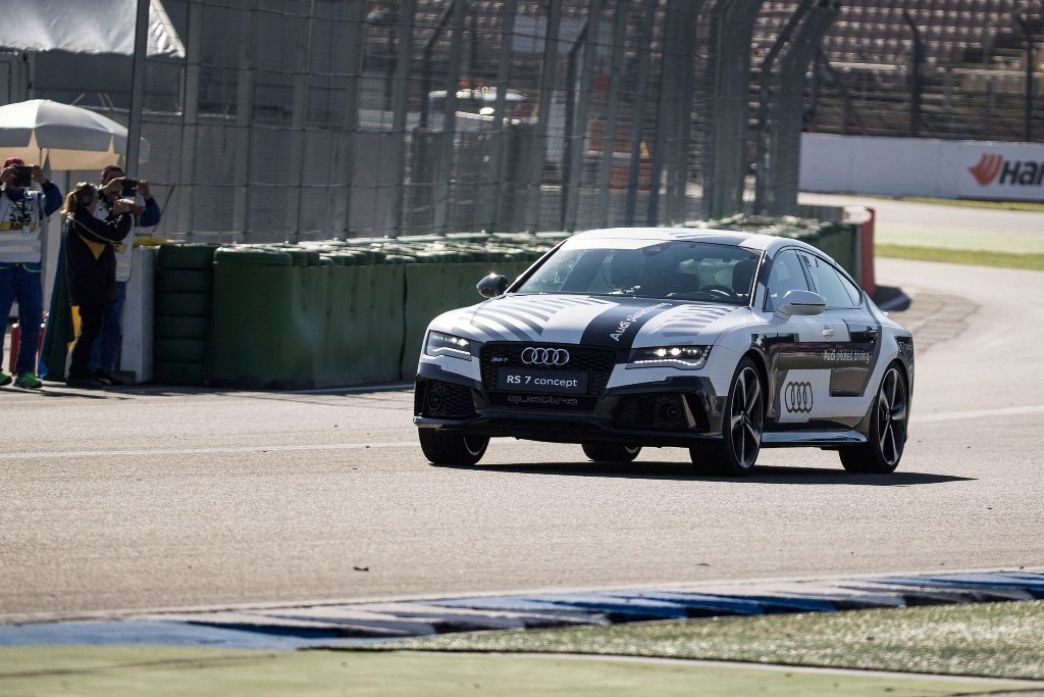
(184, 302)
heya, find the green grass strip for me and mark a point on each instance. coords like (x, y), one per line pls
(1007, 260)
(986, 204)
(161, 672)
(1001, 640)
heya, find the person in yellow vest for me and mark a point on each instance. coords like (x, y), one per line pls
(90, 266)
(23, 214)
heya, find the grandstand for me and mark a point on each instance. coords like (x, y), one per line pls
(972, 72)
(972, 75)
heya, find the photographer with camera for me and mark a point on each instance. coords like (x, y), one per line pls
(146, 213)
(91, 266)
(23, 215)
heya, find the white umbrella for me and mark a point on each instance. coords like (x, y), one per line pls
(68, 137)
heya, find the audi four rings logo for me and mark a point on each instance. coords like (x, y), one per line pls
(797, 397)
(545, 356)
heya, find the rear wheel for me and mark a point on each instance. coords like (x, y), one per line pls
(451, 448)
(611, 452)
(737, 451)
(887, 437)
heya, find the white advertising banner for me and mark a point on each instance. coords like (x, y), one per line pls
(922, 167)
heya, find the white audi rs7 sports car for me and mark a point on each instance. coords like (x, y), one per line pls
(720, 342)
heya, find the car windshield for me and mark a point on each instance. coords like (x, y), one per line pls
(680, 270)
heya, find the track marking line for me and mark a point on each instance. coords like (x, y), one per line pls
(204, 451)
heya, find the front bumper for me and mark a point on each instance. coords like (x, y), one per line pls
(676, 412)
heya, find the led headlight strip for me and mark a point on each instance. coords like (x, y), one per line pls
(685, 357)
(439, 344)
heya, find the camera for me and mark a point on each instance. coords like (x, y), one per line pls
(23, 176)
(129, 188)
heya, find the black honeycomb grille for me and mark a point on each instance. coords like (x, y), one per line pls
(444, 400)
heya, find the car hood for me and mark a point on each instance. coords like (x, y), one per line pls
(593, 321)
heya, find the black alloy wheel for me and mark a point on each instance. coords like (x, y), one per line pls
(744, 422)
(611, 452)
(448, 449)
(888, 421)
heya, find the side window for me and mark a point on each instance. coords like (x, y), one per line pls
(786, 275)
(829, 284)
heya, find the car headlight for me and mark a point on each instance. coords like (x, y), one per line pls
(685, 357)
(439, 344)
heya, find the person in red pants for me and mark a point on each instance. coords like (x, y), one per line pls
(91, 268)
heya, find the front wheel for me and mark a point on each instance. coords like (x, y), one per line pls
(444, 449)
(887, 435)
(611, 452)
(742, 426)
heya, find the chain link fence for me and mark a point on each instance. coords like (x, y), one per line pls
(310, 119)
(323, 118)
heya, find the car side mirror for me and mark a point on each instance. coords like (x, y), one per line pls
(492, 285)
(801, 302)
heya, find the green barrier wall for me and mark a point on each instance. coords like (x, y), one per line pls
(184, 301)
(347, 313)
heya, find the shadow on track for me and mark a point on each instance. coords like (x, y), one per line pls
(681, 471)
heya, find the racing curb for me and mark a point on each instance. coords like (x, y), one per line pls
(346, 624)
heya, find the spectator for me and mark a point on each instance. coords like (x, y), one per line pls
(146, 214)
(23, 215)
(91, 267)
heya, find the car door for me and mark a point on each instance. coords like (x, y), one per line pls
(796, 346)
(845, 306)
(851, 342)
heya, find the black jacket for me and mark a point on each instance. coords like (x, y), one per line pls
(92, 279)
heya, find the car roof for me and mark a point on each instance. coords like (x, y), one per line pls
(747, 240)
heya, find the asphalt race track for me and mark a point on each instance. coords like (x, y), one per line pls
(150, 498)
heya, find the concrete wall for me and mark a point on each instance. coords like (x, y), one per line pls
(922, 167)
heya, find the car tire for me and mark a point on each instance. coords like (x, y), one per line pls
(888, 419)
(611, 452)
(447, 449)
(744, 421)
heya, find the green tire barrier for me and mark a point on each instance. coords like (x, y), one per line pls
(336, 313)
(184, 300)
(181, 350)
(183, 304)
(181, 328)
(185, 281)
(186, 256)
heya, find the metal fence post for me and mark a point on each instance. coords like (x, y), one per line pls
(578, 140)
(547, 85)
(612, 109)
(495, 172)
(570, 118)
(137, 105)
(780, 129)
(915, 75)
(190, 118)
(350, 124)
(400, 107)
(244, 116)
(446, 149)
(726, 99)
(648, 21)
(298, 119)
(1029, 99)
(678, 155)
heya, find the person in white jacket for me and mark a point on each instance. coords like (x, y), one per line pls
(23, 215)
(146, 214)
